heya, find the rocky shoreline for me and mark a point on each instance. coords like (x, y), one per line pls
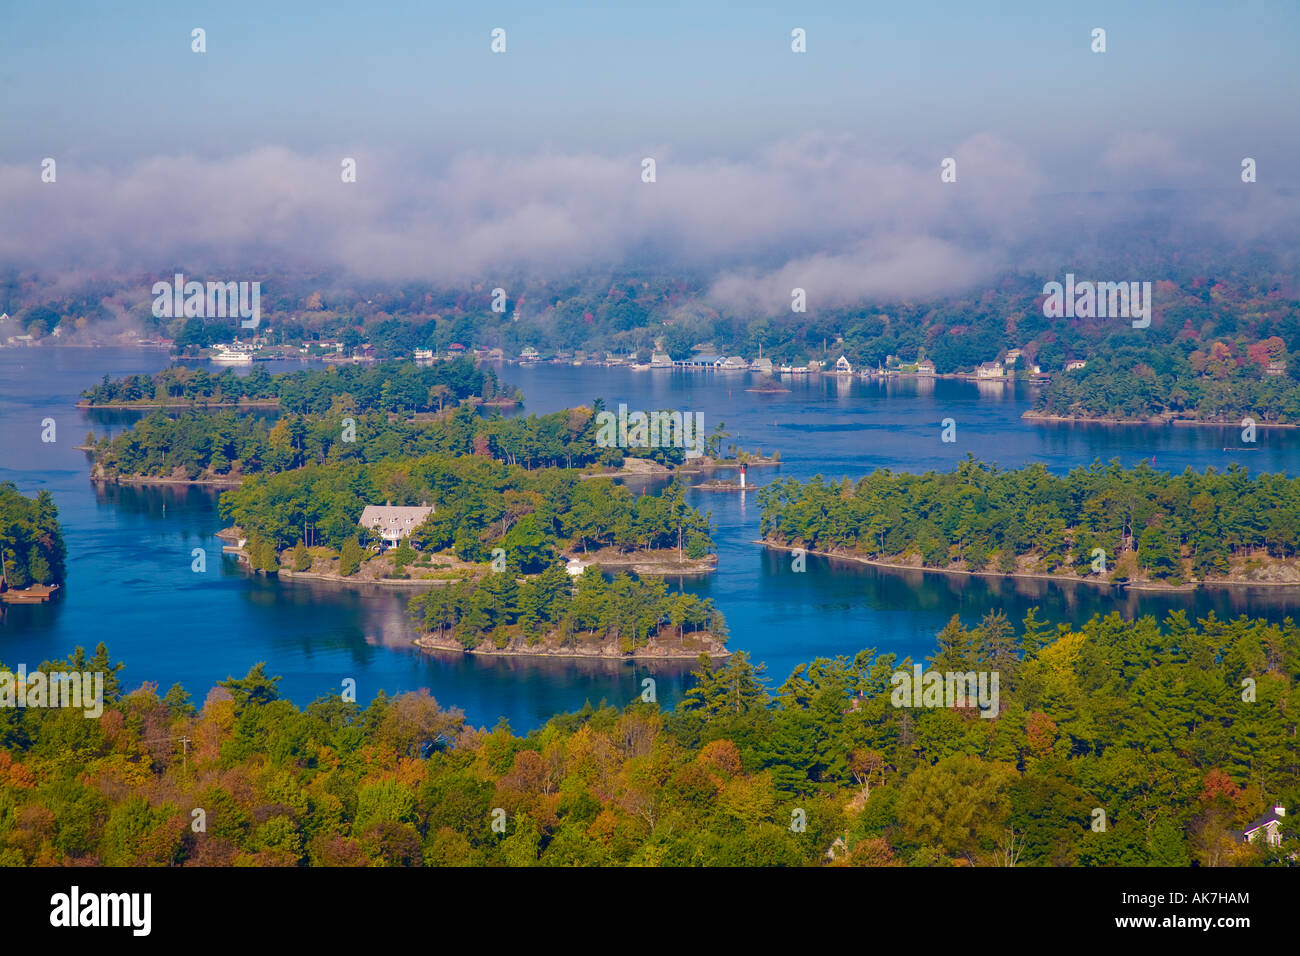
(1096, 580)
(1036, 416)
(665, 650)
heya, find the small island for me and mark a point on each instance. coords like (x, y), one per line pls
(767, 385)
(1106, 525)
(558, 614)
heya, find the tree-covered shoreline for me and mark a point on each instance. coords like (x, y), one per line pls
(1180, 733)
(31, 541)
(1219, 385)
(1102, 522)
(551, 613)
(387, 386)
(479, 505)
(203, 446)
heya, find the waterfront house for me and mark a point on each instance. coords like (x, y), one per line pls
(925, 367)
(391, 523)
(660, 360)
(703, 360)
(989, 370)
(842, 366)
(424, 355)
(734, 362)
(529, 354)
(763, 365)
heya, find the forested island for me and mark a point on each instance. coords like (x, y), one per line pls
(1222, 384)
(478, 504)
(1103, 523)
(553, 615)
(494, 499)
(1145, 720)
(388, 387)
(32, 553)
(195, 446)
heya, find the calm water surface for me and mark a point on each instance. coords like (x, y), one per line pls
(130, 583)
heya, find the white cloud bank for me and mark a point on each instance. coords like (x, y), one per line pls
(825, 213)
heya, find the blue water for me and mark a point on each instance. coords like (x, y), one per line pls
(130, 582)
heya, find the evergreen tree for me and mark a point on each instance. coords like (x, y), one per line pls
(349, 557)
(957, 648)
(1036, 635)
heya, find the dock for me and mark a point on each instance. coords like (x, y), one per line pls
(36, 594)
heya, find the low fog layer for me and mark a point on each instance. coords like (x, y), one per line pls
(828, 214)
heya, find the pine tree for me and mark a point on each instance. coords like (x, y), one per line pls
(997, 643)
(269, 558)
(349, 557)
(957, 648)
(1037, 634)
(301, 557)
(531, 611)
(402, 556)
(39, 568)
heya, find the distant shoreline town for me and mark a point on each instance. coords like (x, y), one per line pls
(1005, 367)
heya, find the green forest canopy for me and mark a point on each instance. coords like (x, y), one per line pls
(979, 517)
(627, 609)
(480, 504)
(1220, 384)
(227, 443)
(388, 386)
(31, 542)
(1180, 733)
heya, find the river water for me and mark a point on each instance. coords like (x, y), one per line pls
(130, 582)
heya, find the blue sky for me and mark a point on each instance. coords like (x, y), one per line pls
(119, 80)
(772, 166)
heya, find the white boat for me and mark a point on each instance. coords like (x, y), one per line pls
(229, 356)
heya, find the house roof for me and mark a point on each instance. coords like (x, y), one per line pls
(393, 517)
(1265, 820)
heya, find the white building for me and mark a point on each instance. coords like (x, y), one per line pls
(989, 370)
(1268, 825)
(1071, 365)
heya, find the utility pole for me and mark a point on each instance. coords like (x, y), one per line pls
(185, 755)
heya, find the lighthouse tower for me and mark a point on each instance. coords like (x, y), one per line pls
(743, 468)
